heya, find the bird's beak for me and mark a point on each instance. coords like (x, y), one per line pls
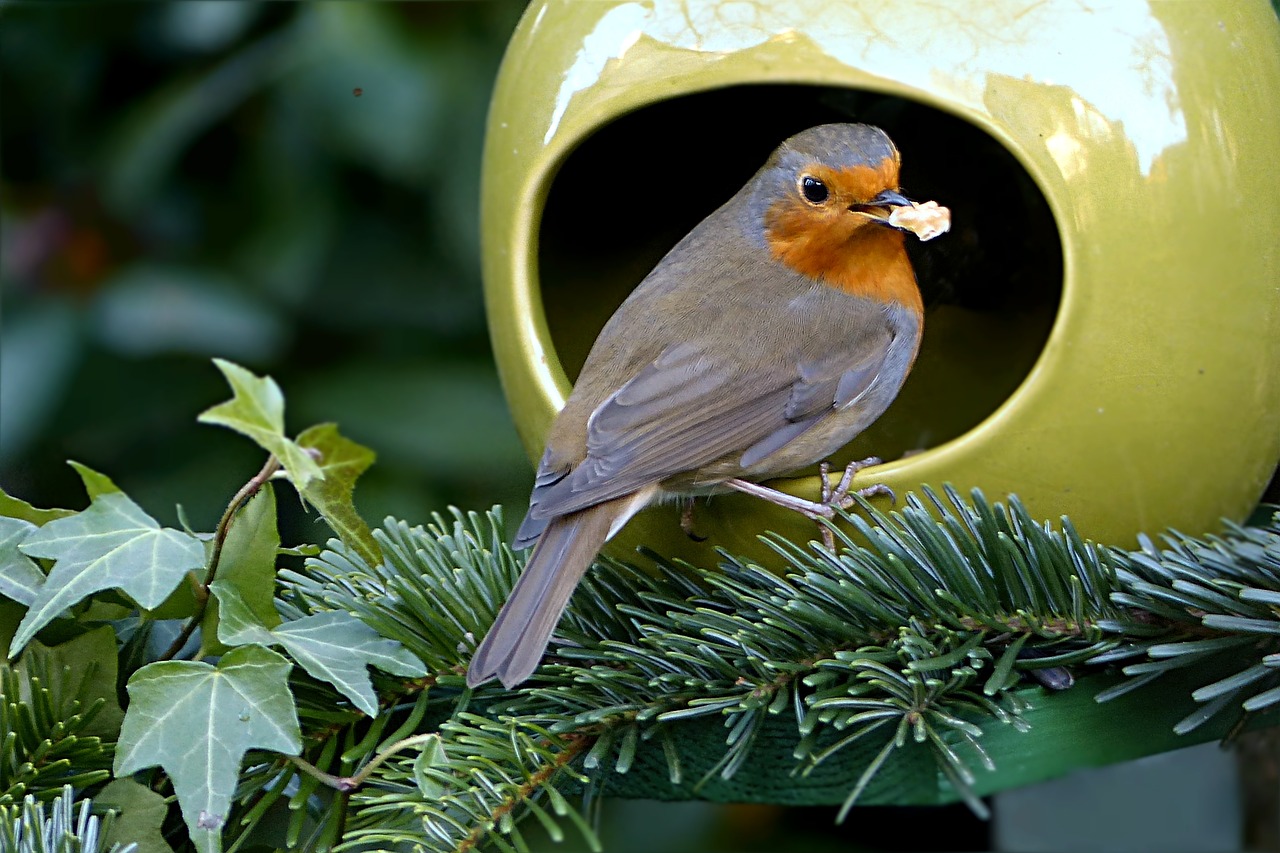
(881, 206)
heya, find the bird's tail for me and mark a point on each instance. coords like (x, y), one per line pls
(519, 636)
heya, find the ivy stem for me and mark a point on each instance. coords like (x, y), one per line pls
(247, 491)
(346, 784)
(339, 783)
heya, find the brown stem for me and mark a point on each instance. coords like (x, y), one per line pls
(338, 783)
(242, 497)
(346, 784)
(399, 746)
(576, 746)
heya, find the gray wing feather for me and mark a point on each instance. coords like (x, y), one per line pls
(687, 409)
(832, 382)
(820, 391)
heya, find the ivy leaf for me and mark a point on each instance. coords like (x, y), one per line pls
(20, 577)
(256, 409)
(196, 721)
(432, 757)
(140, 814)
(113, 544)
(332, 646)
(11, 507)
(342, 461)
(249, 555)
(94, 483)
(248, 564)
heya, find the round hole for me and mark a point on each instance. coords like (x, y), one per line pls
(992, 286)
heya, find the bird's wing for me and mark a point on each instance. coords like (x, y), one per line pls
(688, 408)
(823, 386)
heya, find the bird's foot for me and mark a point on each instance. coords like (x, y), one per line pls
(686, 521)
(841, 497)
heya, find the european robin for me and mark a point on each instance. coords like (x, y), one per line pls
(777, 330)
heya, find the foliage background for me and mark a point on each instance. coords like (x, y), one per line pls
(197, 179)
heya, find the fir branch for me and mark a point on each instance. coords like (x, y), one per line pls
(891, 633)
(29, 828)
(45, 746)
(478, 793)
(920, 626)
(1204, 602)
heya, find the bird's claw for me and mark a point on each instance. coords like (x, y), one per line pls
(686, 522)
(842, 497)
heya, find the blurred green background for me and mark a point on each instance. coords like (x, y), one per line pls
(290, 186)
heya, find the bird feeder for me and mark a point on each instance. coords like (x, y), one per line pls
(1102, 332)
(1102, 328)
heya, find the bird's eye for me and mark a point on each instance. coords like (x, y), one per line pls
(813, 189)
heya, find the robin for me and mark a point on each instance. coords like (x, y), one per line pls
(777, 330)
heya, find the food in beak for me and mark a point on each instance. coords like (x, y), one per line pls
(926, 220)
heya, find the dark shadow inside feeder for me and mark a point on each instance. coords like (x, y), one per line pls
(992, 286)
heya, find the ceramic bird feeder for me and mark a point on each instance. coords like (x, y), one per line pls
(1102, 332)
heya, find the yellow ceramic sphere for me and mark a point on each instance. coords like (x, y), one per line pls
(1103, 331)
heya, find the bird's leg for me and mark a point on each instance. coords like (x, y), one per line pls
(812, 509)
(824, 473)
(686, 521)
(832, 499)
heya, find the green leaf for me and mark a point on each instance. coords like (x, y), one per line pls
(111, 545)
(239, 625)
(181, 603)
(248, 564)
(1232, 683)
(432, 757)
(1228, 622)
(94, 483)
(11, 507)
(342, 461)
(333, 646)
(256, 409)
(1263, 596)
(140, 814)
(20, 577)
(196, 721)
(84, 670)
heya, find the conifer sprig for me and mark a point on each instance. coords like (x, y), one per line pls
(915, 632)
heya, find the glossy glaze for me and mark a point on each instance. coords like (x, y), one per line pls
(1151, 129)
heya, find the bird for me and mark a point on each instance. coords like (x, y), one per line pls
(765, 340)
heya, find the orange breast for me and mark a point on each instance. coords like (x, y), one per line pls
(844, 251)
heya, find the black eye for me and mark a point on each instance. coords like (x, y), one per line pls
(814, 190)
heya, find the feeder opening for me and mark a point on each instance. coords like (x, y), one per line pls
(992, 287)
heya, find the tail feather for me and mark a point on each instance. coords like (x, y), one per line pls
(519, 636)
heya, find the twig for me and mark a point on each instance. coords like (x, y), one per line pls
(247, 491)
(346, 784)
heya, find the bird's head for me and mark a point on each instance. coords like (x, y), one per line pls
(824, 199)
